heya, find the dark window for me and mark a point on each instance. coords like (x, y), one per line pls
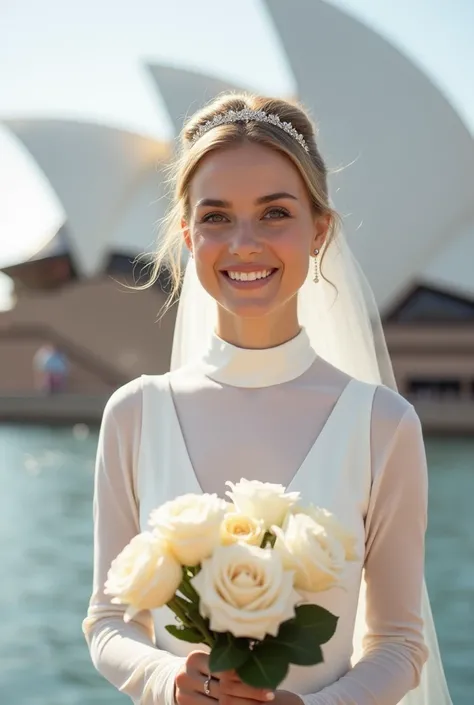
(122, 264)
(435, 388)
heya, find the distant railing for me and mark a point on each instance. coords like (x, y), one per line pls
(76, 353)
(61, 409)
(455, 338)
(445, 416)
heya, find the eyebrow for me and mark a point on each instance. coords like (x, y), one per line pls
(217, 203)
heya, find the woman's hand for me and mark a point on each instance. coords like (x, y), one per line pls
(233, 692)
(226, 687)
(284, 697)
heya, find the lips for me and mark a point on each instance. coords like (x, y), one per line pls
(244, 276)
(248, 278)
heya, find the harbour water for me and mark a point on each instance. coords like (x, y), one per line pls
(46, 479)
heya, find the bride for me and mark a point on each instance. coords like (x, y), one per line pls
(279, 374)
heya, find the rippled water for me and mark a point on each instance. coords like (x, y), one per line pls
(46, 478)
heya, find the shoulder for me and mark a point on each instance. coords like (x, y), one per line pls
(391, 409)
(126, 402)
(125, 399)
(397, 442)
(394, 419)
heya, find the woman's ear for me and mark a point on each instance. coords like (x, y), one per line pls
(322, 224)
(186, 235)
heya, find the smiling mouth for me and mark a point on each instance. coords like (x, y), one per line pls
(260, 275)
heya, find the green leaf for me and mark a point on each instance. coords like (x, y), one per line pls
(192, 636)
(300, 638)
(299, 646)
(228, 653)
(265, 667)
(317, 621)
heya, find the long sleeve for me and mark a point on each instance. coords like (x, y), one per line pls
(124, 654)
(394, 650)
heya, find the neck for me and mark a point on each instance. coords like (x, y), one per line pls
(244, 367)
(257, 333)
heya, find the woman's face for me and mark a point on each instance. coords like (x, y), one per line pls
(251, 230)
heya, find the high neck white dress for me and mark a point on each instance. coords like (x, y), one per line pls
(280, 415)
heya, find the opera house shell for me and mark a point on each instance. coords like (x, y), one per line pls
(402, 164)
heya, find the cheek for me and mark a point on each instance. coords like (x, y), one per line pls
(206, 250)
(207, 253)
(293, 251)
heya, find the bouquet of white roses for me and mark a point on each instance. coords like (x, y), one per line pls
(241, 577)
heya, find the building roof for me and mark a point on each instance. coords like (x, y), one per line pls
(185, 91)
(408, 157)
(106, 179)
(426, 304)
(50, 267)
(58, 245)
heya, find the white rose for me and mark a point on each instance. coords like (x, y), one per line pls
(333, 528)
(191, 526)
(307, 548)
(246, 591)
(144, 575)
(240, 527)
(262, 500)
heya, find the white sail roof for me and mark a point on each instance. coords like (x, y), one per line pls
(408, 157)
(106, 180)
(185, 91)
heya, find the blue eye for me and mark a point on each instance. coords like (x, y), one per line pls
(276, 213)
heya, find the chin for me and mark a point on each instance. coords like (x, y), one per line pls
(250, 309)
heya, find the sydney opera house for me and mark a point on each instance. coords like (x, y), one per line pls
(406, 194)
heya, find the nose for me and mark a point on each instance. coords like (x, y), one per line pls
(244, 241)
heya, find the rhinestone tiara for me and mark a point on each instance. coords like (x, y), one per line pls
(247, 115)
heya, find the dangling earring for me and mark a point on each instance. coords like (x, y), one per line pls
(316, 270)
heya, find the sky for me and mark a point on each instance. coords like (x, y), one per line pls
(87, 61)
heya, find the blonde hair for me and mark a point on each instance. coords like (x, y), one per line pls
(168, 255)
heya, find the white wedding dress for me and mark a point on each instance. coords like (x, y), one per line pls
(283, 415)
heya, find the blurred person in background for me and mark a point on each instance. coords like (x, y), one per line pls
(51, 369)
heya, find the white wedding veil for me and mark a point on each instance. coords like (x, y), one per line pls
(343, 323)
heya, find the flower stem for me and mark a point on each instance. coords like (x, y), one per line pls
(188, 590)
(177, 608)
(191, 617)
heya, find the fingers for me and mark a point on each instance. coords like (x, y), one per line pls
(198, 662)
(189, 689)
(193, 684)
(227, 700)
(231, 686)
(194, 699)
(211, 687)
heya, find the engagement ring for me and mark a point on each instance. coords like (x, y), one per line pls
(207, 684)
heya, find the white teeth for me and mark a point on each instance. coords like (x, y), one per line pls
(249, 276)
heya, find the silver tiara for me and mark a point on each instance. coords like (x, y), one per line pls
(247, 115)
